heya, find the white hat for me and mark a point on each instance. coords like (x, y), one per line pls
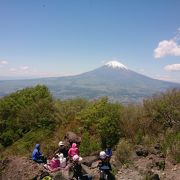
(61, 143)
(102, 155)
(77, 158)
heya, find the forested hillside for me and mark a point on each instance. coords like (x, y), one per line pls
(32, 116)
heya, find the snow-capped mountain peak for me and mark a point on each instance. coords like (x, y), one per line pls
(116, 64)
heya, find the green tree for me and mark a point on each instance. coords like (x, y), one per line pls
(164, 109)
(102, 118)
(25, 110)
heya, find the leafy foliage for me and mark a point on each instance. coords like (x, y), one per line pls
(171, 145)
(165, 109)
(32, 116)
(102, 118)
(124, 151)
(24, 110)
(89, 144)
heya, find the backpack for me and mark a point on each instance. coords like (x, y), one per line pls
(45, 176)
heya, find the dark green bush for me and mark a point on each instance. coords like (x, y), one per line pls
(89, 144)
(103, 119)
(24, 110)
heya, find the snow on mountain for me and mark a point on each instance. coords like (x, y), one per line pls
(116, 64)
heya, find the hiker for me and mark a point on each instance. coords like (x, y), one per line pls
(54, 164)
(104, 161)
(73, 151)
(62, 160)
(37, 155)
(77, 169)
(105, 167)
(62, 149)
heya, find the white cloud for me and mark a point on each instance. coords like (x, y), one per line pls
(3, 62)
(166, 47)
(167, 78)
(172, 67)
(24, 68)
(12, 69)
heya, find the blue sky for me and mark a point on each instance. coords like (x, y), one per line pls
(41, 38)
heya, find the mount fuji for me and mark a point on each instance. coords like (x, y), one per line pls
(113, 80)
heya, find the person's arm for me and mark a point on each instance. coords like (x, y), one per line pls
(110, 153)
(69, 153)
(77, 151)
(56, 152)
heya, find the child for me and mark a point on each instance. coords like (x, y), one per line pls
(54, 164)
(73, 151)
(37, 155)
(77, 169)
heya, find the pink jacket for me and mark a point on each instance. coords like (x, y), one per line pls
(54, 163)
(73, 150)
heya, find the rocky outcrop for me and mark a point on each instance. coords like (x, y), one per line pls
(150, 167)
(141, 151)
(88, 160)
(71, 137)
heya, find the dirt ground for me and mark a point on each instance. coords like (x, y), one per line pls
(21, 168)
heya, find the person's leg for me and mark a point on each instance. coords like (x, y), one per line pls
(44, 159)
(39, 161)
(87, 177)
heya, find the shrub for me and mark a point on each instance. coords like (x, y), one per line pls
(24, 110)
(164, 109)
(171, 145)
(103, 119)
(89, 144)
(123, 151)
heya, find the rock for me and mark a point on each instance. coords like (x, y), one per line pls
(71, 137)
(3, 163)
(61, 175)
(88, 160)
(157, 147)
(174, 169)
(161, 155)
(141, 151)
(154, 177)
(95, 164)
(150, 157)
(160, 164)
(86, 169)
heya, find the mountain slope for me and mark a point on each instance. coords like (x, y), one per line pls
(113, 80)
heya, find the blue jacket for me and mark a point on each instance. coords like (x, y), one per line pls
(108, 152)
(36, 155)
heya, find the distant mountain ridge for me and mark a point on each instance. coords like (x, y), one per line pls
(113, 80)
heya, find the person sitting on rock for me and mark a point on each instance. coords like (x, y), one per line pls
(37, 155)
(54, 164)
(104, 161)
(73, 151)
(62, 149)
(77, 169)
(105, 166)
(62, 160)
